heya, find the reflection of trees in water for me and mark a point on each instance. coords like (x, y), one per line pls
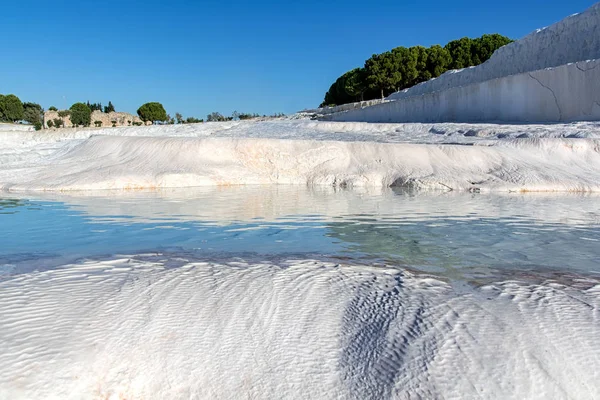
(408, 244)
(6, 205)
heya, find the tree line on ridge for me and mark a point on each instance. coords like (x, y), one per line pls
(13, 110)
(402, 67)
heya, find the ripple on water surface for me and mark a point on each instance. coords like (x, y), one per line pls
(446, 234)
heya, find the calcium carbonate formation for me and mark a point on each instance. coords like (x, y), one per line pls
(551, 75)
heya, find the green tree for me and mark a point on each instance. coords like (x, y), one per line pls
(421, 55)
(337, 92)
(460, 51)
(482, 48)
(109, 108)
(405, 61)
(438, 60)
(52, 108)
(80, 114)
(179, 118)
(329, 98)
(404, 67)
(154, 112)
(94, 106)
(382, 72)
(11, 108)
(355, 83)
(33, 113)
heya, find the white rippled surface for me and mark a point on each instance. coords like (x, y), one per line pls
(562, 157)
(113, 162)
(164, 326)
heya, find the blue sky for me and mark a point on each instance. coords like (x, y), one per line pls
(201, 56)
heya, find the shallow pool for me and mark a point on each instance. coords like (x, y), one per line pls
(293, 292)
(431, 232)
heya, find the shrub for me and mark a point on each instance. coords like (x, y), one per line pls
(244, 116)
(98, 124)
(38, 126)
(137, 124)
(216, 117)
(50, 124)
(58, 122)
(81, 114)
(114, 124)
(52, 108)
(64, 113)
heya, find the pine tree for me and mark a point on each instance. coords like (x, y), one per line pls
(382, 72)
(109, 108)
(405, 67)
(154, 112)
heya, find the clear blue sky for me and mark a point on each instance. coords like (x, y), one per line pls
(201, 56)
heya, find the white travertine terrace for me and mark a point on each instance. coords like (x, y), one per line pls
(551, 75)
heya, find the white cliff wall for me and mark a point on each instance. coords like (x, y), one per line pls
(551, 75)
(575, 38)
(566, 93)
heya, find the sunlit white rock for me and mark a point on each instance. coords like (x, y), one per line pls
(116, 162)
(141, 327)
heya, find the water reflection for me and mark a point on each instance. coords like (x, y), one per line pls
(8, 206)
(445, 233)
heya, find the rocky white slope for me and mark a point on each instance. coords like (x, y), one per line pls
(361, 155)
(552, 75)
(575, 38)
(5, 127)
(566, 93)
(165, 326)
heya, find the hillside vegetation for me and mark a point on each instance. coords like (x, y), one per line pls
(403, 67)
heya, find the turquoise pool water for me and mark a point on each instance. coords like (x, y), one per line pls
(446, 234)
